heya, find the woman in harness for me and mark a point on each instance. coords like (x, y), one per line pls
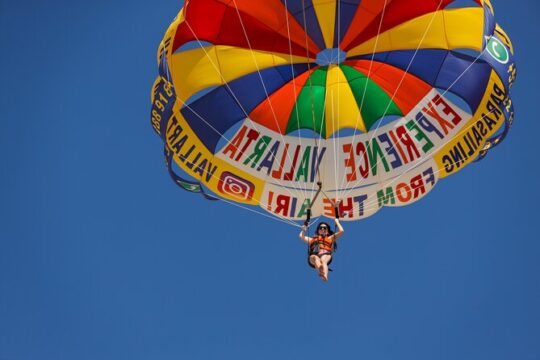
(321, 246)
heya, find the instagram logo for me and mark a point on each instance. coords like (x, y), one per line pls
(235, 186)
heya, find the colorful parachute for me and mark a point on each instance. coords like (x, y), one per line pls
(259, 102)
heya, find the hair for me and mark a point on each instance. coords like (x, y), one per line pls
(330, 232)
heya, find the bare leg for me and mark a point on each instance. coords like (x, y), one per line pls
(316, 261)
(325, 259)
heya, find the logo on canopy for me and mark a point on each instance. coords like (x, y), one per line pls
(235, 186)
(497, 50)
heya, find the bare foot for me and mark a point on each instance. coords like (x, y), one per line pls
(322, 275)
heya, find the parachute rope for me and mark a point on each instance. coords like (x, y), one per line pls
(294, 80)
(336, 138)
(231, 92)
(311, 90)
(259, 73)
(217, 132)
(375, 45)
(280, 219)
(446, 142)
(371, 204)
(426, 30)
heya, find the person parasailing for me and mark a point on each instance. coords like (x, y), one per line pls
(321, 247)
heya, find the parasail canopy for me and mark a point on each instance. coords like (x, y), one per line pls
(258, 102)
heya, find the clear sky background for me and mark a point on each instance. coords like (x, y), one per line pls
(103, 257)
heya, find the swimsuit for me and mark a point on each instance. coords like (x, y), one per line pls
(320, 246)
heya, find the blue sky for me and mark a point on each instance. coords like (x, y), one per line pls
(103, 257)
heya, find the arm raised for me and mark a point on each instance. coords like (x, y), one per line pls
(302, 234)
(339, 231)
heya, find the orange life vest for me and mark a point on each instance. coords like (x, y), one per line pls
(321, 244)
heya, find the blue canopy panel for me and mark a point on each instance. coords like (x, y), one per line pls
(311, 24)
(346, 9)
(214, 113)
(460, 74)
